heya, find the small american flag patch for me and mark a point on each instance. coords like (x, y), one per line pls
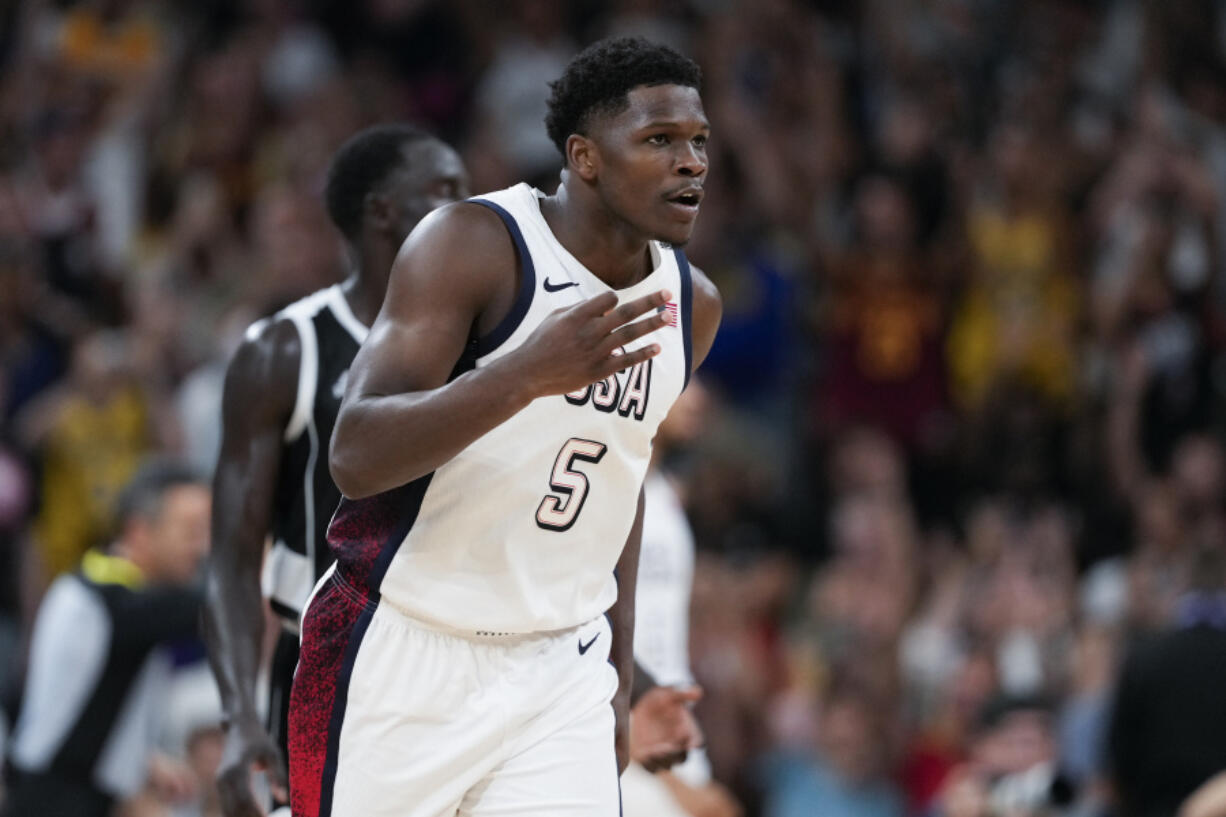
(670, 309)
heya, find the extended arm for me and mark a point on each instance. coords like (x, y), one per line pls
(260, 389)
(621, 618)
(401, 418)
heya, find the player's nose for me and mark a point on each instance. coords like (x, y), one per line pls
(691, 161)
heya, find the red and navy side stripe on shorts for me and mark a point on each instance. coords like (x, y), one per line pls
(330, 628)
(365, 535)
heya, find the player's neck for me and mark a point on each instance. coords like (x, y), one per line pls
(364, 288)
(596, 239)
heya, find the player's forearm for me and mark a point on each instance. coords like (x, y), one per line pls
(234, 631)
(621, 614)
(384, 441)
(233, 615)
(621, 617)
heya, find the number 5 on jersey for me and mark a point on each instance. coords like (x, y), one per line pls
(559, 513)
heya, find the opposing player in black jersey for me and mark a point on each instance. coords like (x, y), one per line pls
(282, 393)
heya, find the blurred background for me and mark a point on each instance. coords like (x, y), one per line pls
(962, 442)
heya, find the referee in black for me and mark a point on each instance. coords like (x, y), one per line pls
(93, 700)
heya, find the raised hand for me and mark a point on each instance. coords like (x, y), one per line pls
(575, 346)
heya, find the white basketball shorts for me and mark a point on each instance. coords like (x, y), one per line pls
(392, 718)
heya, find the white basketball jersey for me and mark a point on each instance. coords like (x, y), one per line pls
(521, 531)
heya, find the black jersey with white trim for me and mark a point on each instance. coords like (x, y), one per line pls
(305, 497)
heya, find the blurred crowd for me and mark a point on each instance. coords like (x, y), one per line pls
(964, 448)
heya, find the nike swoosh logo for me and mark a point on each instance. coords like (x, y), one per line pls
(585, 647)
(559, 287)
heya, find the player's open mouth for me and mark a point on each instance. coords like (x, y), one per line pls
(686, 200)
(687, 197)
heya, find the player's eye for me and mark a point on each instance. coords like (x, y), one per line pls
(700, 141)
(657, 139)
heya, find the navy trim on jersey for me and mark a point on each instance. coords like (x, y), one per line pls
(683, 265)
(411, 496)
(527, 285)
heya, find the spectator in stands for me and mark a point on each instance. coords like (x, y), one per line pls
(848, 775)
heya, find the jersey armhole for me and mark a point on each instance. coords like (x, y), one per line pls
(527, 286)
(687, 300)
(308, 375)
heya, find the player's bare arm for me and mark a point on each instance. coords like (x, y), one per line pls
(455, 278)
(621, 620)
(260, 388)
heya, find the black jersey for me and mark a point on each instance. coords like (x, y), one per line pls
(305, 496)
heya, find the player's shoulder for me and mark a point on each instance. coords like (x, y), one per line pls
(463, 230)
(265, 363)
(461, 251)
(277, 339)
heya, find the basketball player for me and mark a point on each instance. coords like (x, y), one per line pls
(283, 390)
(471, 650)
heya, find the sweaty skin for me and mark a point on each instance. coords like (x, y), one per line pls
(260, 388)
(456, 277)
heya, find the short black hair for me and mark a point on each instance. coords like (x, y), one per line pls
(142, 496)
(360, 166)
(598, 79)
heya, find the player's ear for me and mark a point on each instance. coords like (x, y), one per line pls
(582, 156)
